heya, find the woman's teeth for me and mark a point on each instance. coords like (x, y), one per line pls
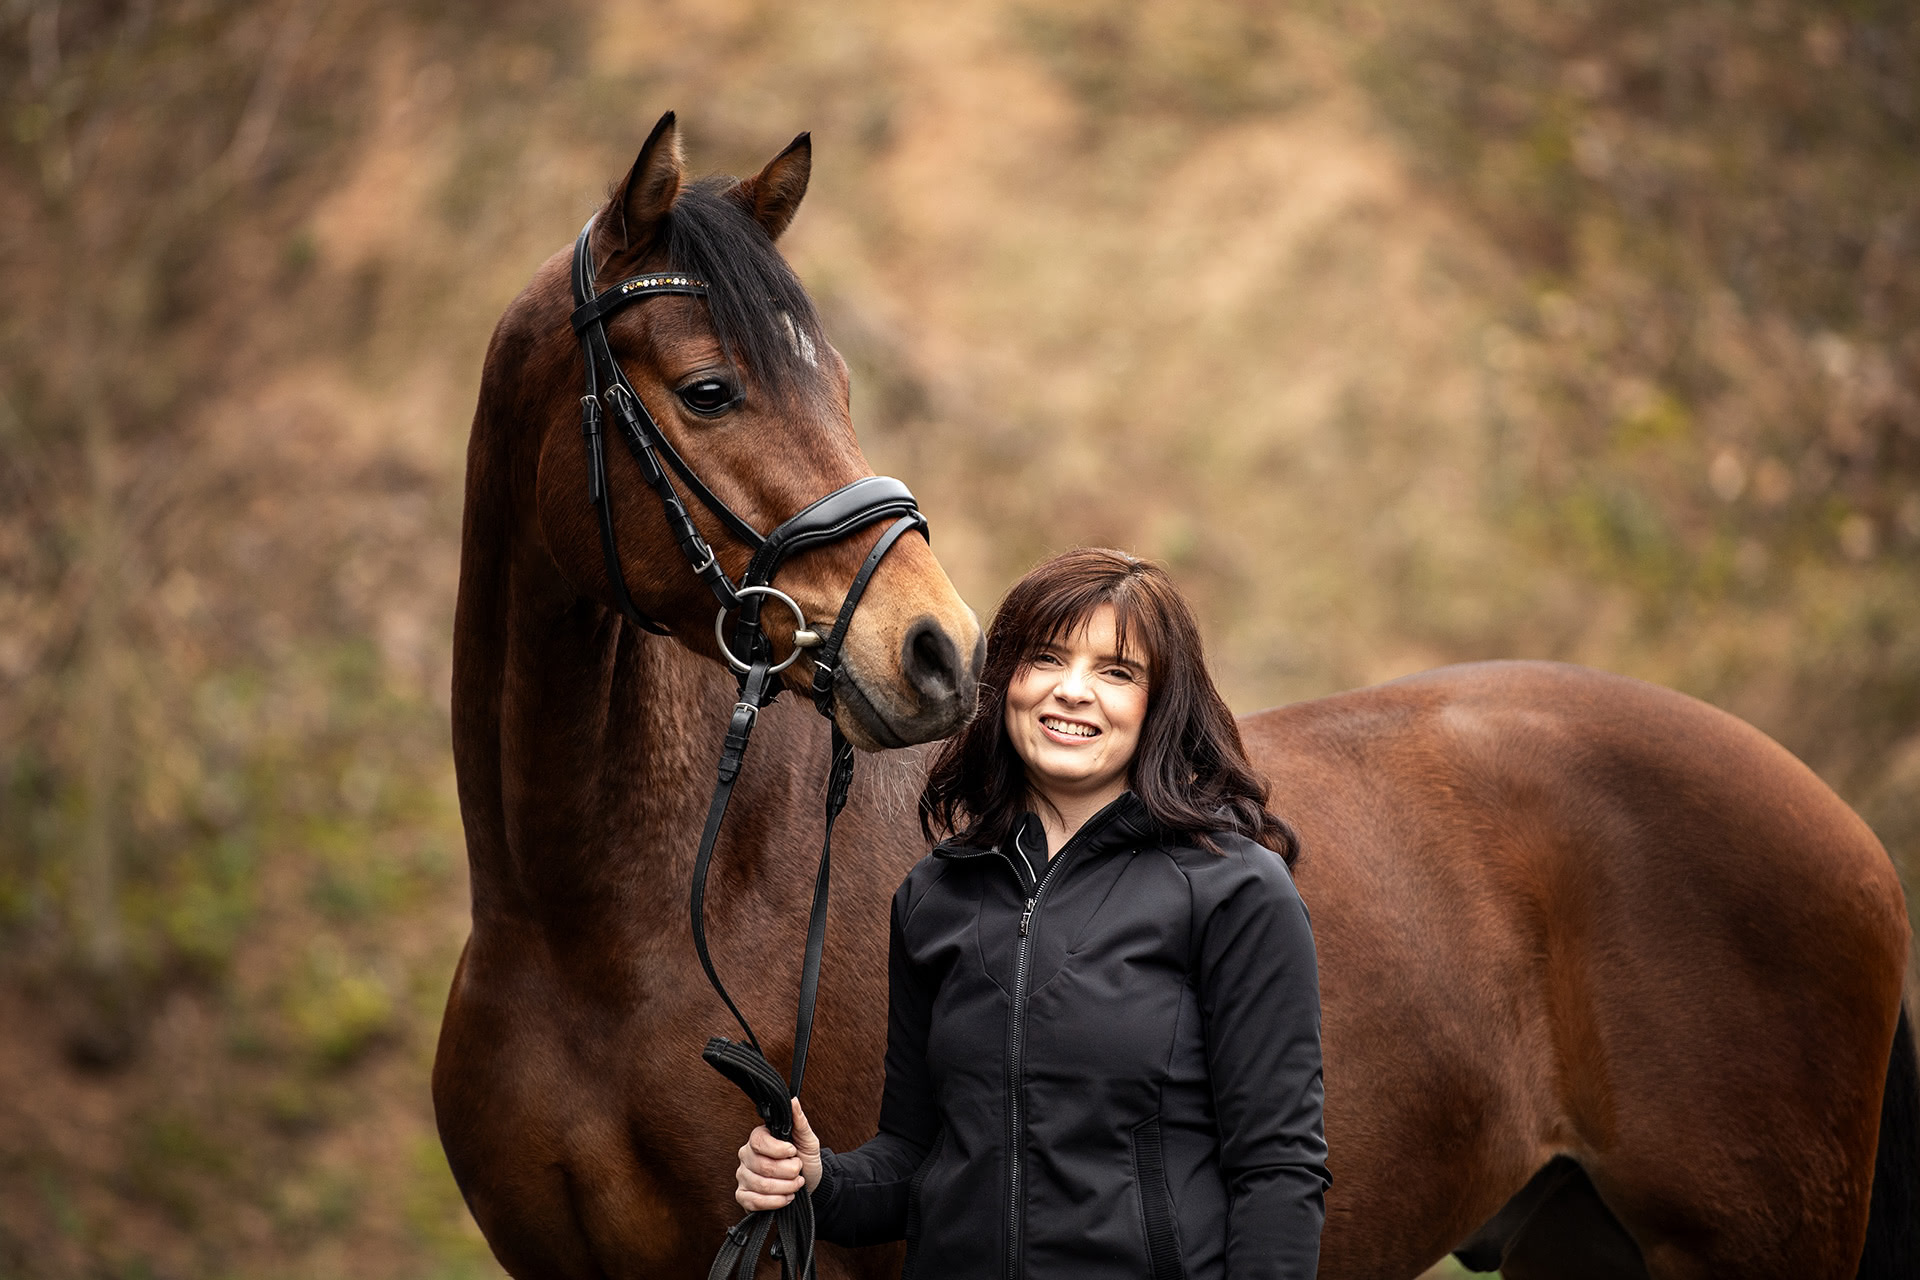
(1069, 728)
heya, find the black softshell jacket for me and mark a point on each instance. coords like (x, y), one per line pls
(1111, 1072)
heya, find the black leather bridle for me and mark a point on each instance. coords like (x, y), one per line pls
(837, 516)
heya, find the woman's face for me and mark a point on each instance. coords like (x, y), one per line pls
(1074, 712)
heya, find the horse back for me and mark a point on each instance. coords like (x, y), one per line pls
(1595, 797)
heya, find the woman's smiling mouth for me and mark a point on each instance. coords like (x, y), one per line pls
(1068, 728)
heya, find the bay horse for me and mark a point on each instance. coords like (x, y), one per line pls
(1612, 984)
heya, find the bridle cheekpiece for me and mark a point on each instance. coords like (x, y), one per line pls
(832, 518)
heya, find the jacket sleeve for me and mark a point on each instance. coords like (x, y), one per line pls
(862, 1196)
(1259, 990)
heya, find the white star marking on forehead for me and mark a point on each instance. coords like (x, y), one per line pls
(802, 345)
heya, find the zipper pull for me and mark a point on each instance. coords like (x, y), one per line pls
(1026, 917)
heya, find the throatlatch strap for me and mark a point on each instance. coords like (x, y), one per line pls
(601, 496)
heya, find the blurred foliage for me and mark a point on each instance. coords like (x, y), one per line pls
(1709, 391)
(225, 776)
(1208, 61)
(1403, 333)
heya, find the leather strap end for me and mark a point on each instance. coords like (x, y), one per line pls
(733, 749)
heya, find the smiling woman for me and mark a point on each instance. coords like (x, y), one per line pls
(1074, 711)
(1103, 1047)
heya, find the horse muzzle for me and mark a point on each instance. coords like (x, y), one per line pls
(931, 691)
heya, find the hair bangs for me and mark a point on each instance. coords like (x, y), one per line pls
(760, 312)
(1070, 612)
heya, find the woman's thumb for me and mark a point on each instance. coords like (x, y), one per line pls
(802, 1131)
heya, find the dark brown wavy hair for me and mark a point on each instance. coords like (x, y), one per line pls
(1190, 769)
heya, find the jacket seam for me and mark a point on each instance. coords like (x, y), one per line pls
(1068, 954)
(940, 870)
(980, 950)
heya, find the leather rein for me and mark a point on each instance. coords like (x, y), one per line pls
(833, 518)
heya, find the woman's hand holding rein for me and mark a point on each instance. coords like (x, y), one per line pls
(772, 1172)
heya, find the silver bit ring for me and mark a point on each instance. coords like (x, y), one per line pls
(799, 626)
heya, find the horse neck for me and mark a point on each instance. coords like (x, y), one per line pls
(584, 747)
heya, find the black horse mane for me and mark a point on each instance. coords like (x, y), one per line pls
(761, 314)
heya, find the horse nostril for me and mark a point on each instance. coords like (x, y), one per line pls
(930, 660)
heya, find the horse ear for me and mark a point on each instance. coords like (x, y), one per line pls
(650, 189)
(773, 195)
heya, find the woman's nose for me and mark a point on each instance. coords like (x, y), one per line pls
(1073, 685)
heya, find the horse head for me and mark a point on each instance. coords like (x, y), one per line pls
(742, 384)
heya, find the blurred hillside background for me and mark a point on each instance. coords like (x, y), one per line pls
(1405, 333)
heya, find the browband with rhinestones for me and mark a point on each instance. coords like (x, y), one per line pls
(660, 282)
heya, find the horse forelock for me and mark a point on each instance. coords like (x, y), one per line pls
(759, 311)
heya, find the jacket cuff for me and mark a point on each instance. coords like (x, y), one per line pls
(822, 1195)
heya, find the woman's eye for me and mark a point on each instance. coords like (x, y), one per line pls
(708, 397)
(1121, 674)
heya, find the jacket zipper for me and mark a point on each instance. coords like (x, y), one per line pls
(1016, 1042)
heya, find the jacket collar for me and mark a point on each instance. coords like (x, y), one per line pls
(1124, 822)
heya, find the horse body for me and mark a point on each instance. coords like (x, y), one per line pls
(1609, 979)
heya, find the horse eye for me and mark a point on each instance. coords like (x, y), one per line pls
(709, 397)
